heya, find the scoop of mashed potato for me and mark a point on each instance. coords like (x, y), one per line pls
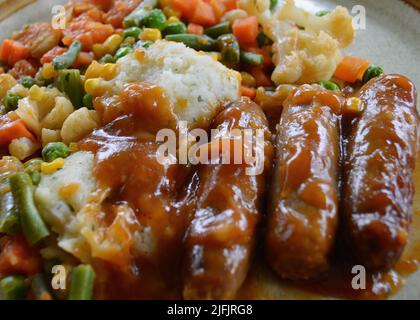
(306, 47)
(196, 84)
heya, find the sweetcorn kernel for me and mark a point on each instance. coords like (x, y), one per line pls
(170, 12)
(69, 190)
(48, 71)
(139, 55)
(173, 19)
(151, 34)
(109, 71)
(353, 106)
(98, 50)
(94, 70)
(36, 93)
(51, 167)
(73, 147)
(112, 44)
(96, 87)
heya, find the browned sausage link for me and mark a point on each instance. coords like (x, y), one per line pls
(221, 236)
(303, 205)
(378, 187)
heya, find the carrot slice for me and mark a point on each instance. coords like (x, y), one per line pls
(219, 8)
(248, 92)
(12, 51)
(14, 130)
(203, 14)
(186, 7)
(230, 4)
(195, 29)
(246, 30)
(351, 69)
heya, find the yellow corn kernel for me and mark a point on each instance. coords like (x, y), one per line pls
(130, 40)
(216, 56)
(94, 70)
(73, 147)
(353, 106)
(170, 12)
(36, 93)
(173, 19)
(248, 80)
(48, 71)
(98, 50)
(109, 71)
(68, 190)
(51, 167)
(150, 34)
(139, 55)
(165, 3)
(96, 87)
(112, 44)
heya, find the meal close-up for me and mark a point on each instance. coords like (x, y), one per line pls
(91, 208)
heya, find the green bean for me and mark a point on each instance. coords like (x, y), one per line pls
(132, 32)
(65, 60)
(82, 282)
(329, 85)
(40, 288)
(372, 72)
(273, 4)
(194, 41)
(251, 58)
(9, 220)
(263, 40)
(88, 101)
(322, 13)
(155, 19)
(13, 288)
(175, 28)
(70, 83)
(143, 44)
(54, 150)
(122, 52)
(134, 17)
(27, 82)
(11, 101)
(229, 48)
(31, 222)
(218, 30)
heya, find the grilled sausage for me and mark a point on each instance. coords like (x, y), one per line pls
(222, 233)
(378, 183)
(302, 219)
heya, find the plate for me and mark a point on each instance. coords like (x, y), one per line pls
(390, 38)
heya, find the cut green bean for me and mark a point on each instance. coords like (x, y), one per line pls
(122, 52)
(70, 83)
(108, 58)
(40, 288)
(329, 85)
(372, 72)
(9, 220)
(218, 30)
(13, 288)
(322, 13)
(175, 28)
(65, 60)
(132, 32)
(33, 226)
(134, 17)
(263, 39)
(88, 101)
(229, 48)
(273, 4)
(82, 283)
(197, 42)
(251, 58)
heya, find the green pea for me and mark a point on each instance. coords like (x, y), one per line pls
(155, 19)
(27, 82)
(175, 28)
(329, 85)
(55, 150)
(13, 288)
(263, 40)
(11, 102)
(132, 32)
(372, 72)
(218, 30)
(122, 52)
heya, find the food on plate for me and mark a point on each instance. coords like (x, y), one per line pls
(119, 136)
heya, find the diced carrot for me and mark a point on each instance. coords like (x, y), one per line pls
(12, 51)
(186, 7)
(203, 14)
(83, 59)
(248, 92)
(351, 69)
(50, 55)
(95, 14)
(11, 130)
(246, 30)
(230, 4)
(195, 29)
(219, 8)
(261, 78)
(17, 257)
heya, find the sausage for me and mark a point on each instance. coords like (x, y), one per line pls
(221, 236)
(303, 207)
(378, 181)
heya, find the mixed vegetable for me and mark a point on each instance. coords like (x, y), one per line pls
(56, 68)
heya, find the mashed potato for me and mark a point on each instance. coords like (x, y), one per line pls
(196, 84)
